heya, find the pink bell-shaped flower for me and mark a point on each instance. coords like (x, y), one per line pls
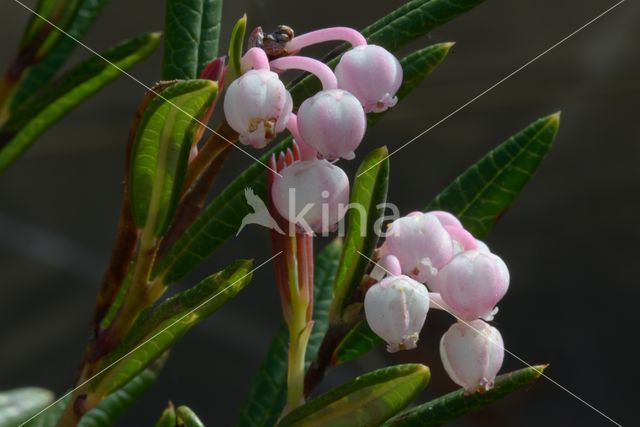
(257, 106)
(472, 355)
(421, 243)
(472, 284)
(312, 194)
(372, 74)
(333, 122)
(396, 309)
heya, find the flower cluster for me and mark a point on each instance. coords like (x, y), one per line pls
(328, 126)
(463, 277)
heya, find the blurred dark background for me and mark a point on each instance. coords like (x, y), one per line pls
(570, 240)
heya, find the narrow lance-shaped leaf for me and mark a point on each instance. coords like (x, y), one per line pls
(451, 406)
(222, 217)
(109, 411)
(18, 405)
(187, 418)
(267, 396)
(219, 221)
(192, 30)
(236, 45)
(484, 191)
(368, 400)
(40, 36)
(168, 417)
(40, 74)
(164, 326)
(405, 24)
(161, 150)
(359, 341)
(34, 117)
(368, 197)
(478, 197)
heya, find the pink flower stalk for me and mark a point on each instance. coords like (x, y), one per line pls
(325, 35)
(310, 65)
(388, 265)
(307, 152)
(421, 243)
(312, 195)
(372, 74)
(254, 59)
(472, 355)
(396, 309)
(257, 106)
(446, 218)
(472, 284)
(333, 122)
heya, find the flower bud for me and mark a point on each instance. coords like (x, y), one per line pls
(257, 106)
(372, 74)
(472, 355)
(312, 194)
(396, 309)
(421, 243)
(333, 122)
(472, 284)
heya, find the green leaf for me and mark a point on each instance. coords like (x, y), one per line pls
(368, 195)
(110, 409)
(18, 405)
(325, 269)
(192, 30)
(114, 406)
(368, 400)
(359, 341)
(160, 329)
(168, 417)
(484, 191)
(210, 34)
(39, 36)
(60, 97)
(188, 418)
(219, 221)
(49, 418)
(416, 67)
(222, 217)
(41, 73)
(161, 151)
(405, 24)
(454, 405)
(236, 44)
(268, 393)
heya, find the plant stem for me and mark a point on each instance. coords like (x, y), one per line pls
(7, 87)
(300, 323)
